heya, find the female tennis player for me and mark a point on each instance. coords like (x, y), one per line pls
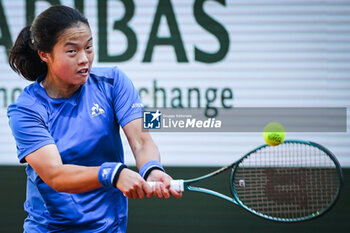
(66, 127)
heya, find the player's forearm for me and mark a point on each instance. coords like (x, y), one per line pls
(74, 179)
(146, 151)
(141, 143)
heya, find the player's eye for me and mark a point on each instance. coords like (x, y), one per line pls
(71, 51)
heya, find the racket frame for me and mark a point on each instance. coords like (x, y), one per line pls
(235, 199)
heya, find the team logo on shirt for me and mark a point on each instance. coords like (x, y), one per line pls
(152, 120)
(96, 110)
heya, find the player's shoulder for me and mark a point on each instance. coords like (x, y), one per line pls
(27, 97)
(27, 102)
(109, 75)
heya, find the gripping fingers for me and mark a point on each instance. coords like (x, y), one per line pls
(140, 193)
(175, 193)
(176, 185)
(134, 194)
(129, 195)
(157, 190)
(133, 185)
(147, 189)
(176, 188)
(165, 192)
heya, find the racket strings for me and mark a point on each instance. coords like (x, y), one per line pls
(289, 181)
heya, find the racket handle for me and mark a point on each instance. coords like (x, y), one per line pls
(177, 185)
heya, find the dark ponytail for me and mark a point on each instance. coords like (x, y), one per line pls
(42, 35)
(24, 58)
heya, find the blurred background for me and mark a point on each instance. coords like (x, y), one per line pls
(209, 54)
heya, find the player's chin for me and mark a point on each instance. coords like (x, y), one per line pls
(81, 78)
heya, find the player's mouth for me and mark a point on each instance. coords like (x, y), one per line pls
(84, 72)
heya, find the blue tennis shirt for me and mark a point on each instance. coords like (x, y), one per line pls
(85, 129)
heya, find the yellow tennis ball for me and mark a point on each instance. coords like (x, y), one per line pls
(274, 133)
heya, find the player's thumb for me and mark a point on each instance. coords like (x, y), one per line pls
(166, 181)
(147, 189)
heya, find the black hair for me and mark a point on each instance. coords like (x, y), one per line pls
(42, 35)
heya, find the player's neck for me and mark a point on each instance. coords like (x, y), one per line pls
(58, 89)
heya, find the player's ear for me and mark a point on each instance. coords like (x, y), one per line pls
(44, 56)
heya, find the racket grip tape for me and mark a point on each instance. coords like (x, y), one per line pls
(177, 185)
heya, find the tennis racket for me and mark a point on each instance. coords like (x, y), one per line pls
(292, 182)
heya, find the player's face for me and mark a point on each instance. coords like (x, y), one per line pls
(70, 61)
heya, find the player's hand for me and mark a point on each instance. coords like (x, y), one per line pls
(162, 188)
(133, 185)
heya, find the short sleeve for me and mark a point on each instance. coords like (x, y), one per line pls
(28, 129)
(127, 102)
